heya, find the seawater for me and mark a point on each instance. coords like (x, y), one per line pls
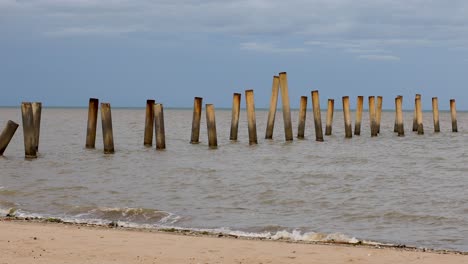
(401, 190)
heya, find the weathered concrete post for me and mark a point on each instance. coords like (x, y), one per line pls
(373, 124)
(149, 123)
(107, 132)
(159, 126)
(211, 126)
(302, 117)
(273, 103)
(378, 114)
(317, 116)
(7, 135)
(197, 110)
(92, 123)
(288, 133)
(435, 114)
(252, 123)
(28, 131)
(347, 118)
(415, 117)
(236, 101)
(419, 116)
(330, 110)
(399, 113)
(453, 114)
(359, 107)
(37, 110)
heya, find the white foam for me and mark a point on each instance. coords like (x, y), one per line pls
(4, 212)
(168, 221)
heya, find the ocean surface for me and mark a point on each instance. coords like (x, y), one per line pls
(410, 190)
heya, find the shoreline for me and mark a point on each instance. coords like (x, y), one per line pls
(29, 236)
(214, 234)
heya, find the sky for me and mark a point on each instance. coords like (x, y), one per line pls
(126, 51)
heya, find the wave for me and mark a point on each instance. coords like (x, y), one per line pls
(128, 217)
(164, 221)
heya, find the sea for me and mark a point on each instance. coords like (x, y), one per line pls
(410, 190)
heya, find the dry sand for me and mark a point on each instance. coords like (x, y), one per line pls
(33, 242)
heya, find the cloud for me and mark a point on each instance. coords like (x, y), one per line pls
(95, 31)
(268, 48)
(353, 26)
(379, 57)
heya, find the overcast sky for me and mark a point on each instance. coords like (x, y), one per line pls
(126, 51)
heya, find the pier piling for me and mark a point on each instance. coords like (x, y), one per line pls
(273, 104)
(236, 101)
(28, 130)
(453, 114)
(197, 110)
(211, 126)
(399, 114)
(252, 125)
(149, 123)
(37, 110)
(435, 114)
(317, 116)
(107, 133)
(159, 127)
(378, 114)
(92, 123)
(415, 117)
(288, 133)
(302, 117)
(7, 135)
(372, 120)
(347, 117)
(330, 110)
(359, 107)
(419, 116)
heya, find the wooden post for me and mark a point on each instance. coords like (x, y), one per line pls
(197, 110)
(92, 123)
(359, 107)
(37, 110)
(347, 118)
(149, 123)
(236, 101)
(317, 116)
(378, 114)
(28, 131)
(453, 114)
(395, 126)
(159, 126)
(107, 133)
(435, 114)
(419, 117)
(273, 104)
(302, 117)
(399, 113)
(288, 133)
(7, 135)
(415, 117)
(330, 110)
(211, 125)
(249, 100)
(373, 124)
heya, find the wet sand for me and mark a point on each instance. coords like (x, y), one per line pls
(38, 242)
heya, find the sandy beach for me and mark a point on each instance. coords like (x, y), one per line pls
(35, 242)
